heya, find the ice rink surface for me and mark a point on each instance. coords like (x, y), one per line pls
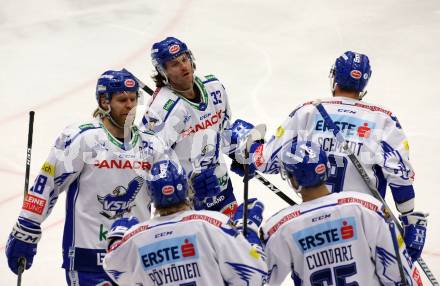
(270, 55)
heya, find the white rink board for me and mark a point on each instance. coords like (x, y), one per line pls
(270, 55)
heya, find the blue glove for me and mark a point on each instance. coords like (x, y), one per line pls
(255, 218)
(414, 224)
(237, 136)
(22, 242)
(119, 228)
(237, 133)
(205, 186)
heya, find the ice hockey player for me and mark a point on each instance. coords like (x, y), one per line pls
(189, 113)
(372, 133)
(331, 238)
(181, 246)
(101, 168)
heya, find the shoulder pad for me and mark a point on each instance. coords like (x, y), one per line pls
(87, 126)
(361, 199)
(163, 103)
(308, 103)
(274, 223)
(209, 78)
(72, 132)
(215, 218)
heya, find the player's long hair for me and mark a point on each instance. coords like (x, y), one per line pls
(185, 205)
(158, 79)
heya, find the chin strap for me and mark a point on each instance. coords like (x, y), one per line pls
(106, 113)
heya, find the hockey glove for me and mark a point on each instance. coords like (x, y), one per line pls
(235, 135)
(205, 185)
(238, 135)
(119, 228)
(255, 218)
(22, 242)
(414, 224)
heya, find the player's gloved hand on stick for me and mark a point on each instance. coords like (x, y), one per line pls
(414, 224)
(119, 228)
(22, 242)
(255, 218)
(205, 186)
(238, 134)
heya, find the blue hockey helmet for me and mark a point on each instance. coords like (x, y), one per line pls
(167, 184)
(111, 82)
(351, 71)
(166, 50)
(306, 162)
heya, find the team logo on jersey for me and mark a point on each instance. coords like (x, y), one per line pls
(174, 49)
(151, 123)
(179, 249)
(326, 234)
(129, 83)
(168, 190)
(121, 200)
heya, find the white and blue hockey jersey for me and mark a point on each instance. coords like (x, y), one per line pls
(338, 239)
(185, 248)
(192, 130)
(373, 134)
(103, 180)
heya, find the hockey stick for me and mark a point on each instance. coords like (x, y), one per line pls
(373, 190)
(259, 177)
(257, 133)
(274, 189)
(22, 260)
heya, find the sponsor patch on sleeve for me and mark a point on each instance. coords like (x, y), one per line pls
(280, 132)
(48, 169)
(417, 278)
(168, 105)
(406, 145)
(34, 204)
(258, 156)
